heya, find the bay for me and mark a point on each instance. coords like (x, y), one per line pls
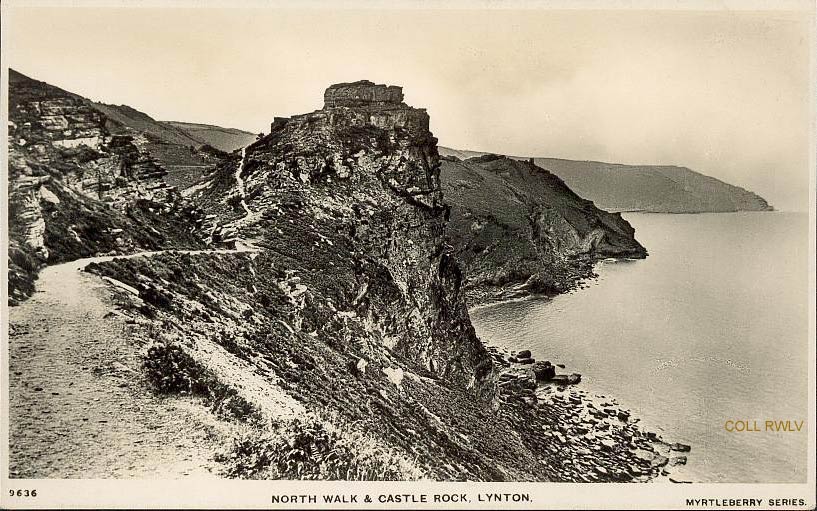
(711, 327)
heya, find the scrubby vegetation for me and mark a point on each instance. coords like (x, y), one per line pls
(172, 370)
(22, 272)
(304, 449)
(424, 425)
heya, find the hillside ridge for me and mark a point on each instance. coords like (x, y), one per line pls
(649, 188)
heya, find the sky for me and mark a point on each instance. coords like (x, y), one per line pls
(726, 93)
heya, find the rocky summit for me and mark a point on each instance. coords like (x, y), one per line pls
(348, 198)
(363, 94)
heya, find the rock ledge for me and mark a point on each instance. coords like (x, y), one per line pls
(362, 93)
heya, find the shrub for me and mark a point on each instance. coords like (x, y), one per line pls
(156, 297)
(234, 201)
(304, 449)
(22, 271)
(24, 260)
(171, 370)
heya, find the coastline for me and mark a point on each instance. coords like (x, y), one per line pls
(592, 437)
(481, 295)
(583, 423)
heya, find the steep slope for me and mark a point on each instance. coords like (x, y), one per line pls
(652, 188)
(513, 222)
(76, 189)
(351, 315)
(126, 116)
(185, 157)
(358, 183)
(223, 139)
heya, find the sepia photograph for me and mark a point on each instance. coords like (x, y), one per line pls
(421, 254)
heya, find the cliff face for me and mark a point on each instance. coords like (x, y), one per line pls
(347, 199)
(651, 188)
(518, 228)
(75, 189)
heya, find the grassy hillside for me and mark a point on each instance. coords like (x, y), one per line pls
(126, 116)
(224, 139)
(186, 157)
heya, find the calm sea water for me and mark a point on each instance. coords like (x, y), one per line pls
(711, 327)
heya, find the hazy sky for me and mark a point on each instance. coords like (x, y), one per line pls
(724, 93)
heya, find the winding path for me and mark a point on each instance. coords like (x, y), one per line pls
(78, 407)
(242, 192)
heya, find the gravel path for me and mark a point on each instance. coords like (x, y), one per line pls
(78, 405)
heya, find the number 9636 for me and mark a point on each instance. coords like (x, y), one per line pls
(22, 493)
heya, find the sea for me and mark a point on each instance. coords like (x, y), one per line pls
(706, 336)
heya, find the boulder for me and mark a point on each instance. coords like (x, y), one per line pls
(361, 366)
(645, 455)
(680, 447)
(544, 371)
(608, 445)
(524, 354)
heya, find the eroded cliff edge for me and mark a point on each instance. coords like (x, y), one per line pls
(80, 186)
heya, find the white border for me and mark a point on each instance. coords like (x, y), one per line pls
(230, 494)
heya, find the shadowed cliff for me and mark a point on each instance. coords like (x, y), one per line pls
(519, 229)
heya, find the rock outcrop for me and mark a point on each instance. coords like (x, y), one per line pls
(362, 94)
(76, 189)
(348, 199)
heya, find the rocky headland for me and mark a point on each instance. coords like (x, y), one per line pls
(325, 327)
(517, 229)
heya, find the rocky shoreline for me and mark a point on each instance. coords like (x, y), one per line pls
(582, 423)
(585, 425)
(573, 277)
